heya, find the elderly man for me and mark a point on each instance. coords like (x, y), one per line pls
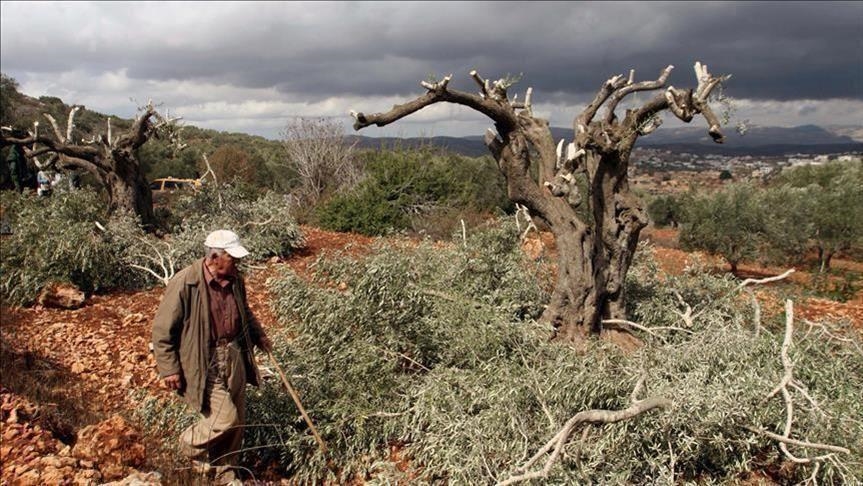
(203, 334)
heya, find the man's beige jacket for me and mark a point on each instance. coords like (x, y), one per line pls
(181, 332)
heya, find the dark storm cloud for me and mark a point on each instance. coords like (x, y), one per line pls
(775, 51)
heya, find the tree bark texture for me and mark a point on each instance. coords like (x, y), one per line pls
(596, 251)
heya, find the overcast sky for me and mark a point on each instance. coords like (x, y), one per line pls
(250, 67)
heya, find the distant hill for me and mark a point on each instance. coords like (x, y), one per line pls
(853, 131)
(757, 140)
(809, 139)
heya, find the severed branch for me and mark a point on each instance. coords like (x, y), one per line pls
(683, 103)
(748, 281)
(215, 181)
(809, 445)
(687, 314)
(829, 334)
(259, 223)
(526, 104)
(522, 209)
(439, 86)
(483, 83)
(70, 123)
(57, 132)
(501, 113)
(788, 379)
(611, 85)
(646, 329)
(164, 260)
(560, 439)
(590, 416)
(706, 83)
(631, 87)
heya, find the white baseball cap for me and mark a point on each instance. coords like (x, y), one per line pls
(228, 241)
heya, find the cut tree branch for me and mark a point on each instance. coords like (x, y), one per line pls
(748, 281)
(788, 379)
(631, 88)
(589, 417)
(610, 86)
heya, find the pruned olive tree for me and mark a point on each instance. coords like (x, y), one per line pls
(595, 252)
(111, 158)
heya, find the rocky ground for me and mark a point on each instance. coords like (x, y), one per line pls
(67, 374)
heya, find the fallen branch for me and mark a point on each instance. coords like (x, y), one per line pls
(829, 334)
(560, 439)
(259, 223)
(687, 314)
(164, 260)
(748, 281)
(215, 180)
(646, 329)
(788, 379)
(809, 445)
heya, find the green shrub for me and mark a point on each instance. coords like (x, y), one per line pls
(401, 188)
(367, 211)
(431, 350)
(55, 239)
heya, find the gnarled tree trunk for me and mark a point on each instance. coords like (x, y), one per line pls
(595, 252)
(112, 160)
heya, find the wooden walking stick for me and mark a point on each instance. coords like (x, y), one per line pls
(297, 401)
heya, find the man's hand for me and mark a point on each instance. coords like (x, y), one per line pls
(174, 382)
(265, 343)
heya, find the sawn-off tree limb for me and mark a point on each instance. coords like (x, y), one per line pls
(590, 417)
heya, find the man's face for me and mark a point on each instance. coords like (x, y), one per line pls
(222, 264)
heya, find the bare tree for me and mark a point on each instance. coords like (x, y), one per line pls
(323, 159)
(594, 252)
(112, 159)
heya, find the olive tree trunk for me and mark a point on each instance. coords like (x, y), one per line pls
(597, 242)
(113, 160)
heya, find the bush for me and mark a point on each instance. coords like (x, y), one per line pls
(433, 351)
(401, 188)
(55, 239)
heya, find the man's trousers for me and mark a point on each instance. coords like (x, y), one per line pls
(218, 435)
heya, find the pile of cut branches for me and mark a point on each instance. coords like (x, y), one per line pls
(435, 352)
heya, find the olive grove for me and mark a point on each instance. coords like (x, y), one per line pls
(596, 250)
